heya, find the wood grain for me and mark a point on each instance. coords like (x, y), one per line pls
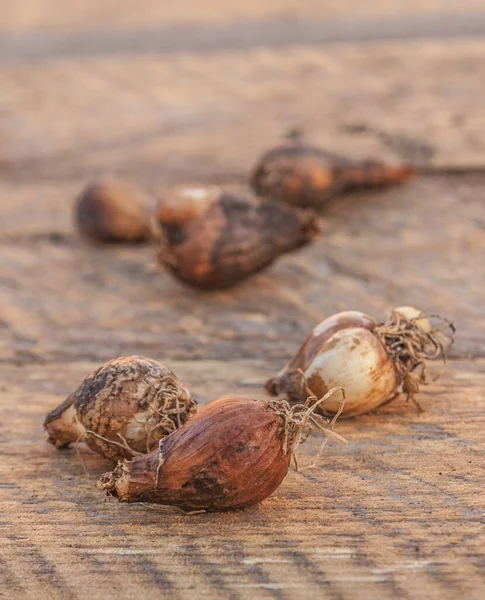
(78, 15)
(195, 117)
(397, 513)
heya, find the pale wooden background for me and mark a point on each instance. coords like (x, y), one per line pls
(399, 512)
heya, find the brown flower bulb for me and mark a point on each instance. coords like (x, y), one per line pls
(112, 211)
(234, 453)
(307, 176)
(372, 361)
(212, 239)
(122, 409)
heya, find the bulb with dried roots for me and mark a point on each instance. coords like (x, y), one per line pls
(234, 453)
(372, 361)
(122, 409)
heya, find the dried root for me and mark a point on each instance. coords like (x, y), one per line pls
(299, 421)
(410, 342)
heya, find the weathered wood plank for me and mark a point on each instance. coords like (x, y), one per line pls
(197, 117)
(394, 513)
(48, 15)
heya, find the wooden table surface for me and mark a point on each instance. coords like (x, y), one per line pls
(397, 513)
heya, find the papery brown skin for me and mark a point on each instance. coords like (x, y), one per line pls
(112, 211)
(230, 455)
(308, 177)
(129, 396)
(223, 238)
